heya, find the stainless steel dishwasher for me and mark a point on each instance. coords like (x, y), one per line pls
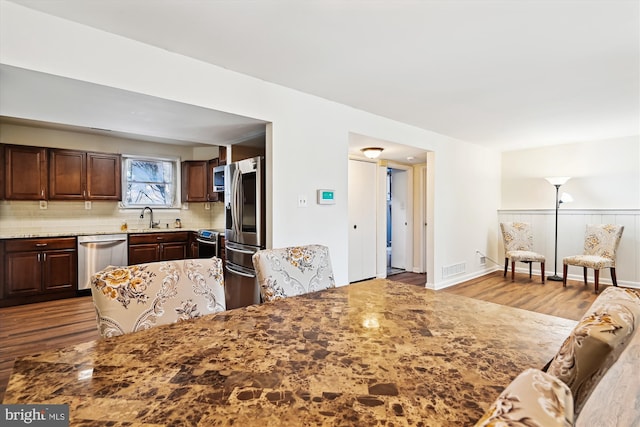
(97, 252)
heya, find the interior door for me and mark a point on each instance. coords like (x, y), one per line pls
(362, 220)
(399, 219)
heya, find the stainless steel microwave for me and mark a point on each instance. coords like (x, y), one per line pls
(218, 178)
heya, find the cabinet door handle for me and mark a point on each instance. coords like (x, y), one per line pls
(40, 245)
(38, 256)
(44, 257)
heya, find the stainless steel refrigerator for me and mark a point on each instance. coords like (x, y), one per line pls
(244, 199)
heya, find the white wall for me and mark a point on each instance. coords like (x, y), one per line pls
(308, 144)
(604, 175)
(467, 183)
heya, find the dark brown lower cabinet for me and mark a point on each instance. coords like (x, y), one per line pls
(36, 270)
(158, 246)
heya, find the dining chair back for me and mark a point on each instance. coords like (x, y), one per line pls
(601, 243)
(136, 297)
(518, 247)
(296, 270)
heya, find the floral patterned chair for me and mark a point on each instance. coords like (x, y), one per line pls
(534, 398)
(600, 245)
(293, 271)
(596, 342)
(518, 242)
(137, 297)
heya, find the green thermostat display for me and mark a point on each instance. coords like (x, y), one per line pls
(326, 197)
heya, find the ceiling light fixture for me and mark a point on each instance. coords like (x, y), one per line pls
(372, 152)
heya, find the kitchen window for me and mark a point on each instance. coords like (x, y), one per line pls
(149, 181)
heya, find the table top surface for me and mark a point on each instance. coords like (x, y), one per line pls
(370, 353)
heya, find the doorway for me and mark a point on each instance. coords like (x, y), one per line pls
(397, 221)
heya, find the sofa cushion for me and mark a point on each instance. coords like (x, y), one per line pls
(534, 398)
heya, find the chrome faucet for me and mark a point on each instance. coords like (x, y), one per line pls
(151, 223)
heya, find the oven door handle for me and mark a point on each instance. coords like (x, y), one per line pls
(206, 242)
(238, 272)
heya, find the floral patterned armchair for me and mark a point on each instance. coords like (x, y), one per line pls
(293, 271)
(518, 242)
(534, 398)
(600, 246)
(137, 297)
(596, 342)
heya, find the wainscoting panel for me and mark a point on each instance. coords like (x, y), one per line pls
(571, 229)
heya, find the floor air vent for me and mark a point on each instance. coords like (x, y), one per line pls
(453, 269)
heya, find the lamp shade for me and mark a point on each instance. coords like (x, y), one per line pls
(558, 180)
(566, 198)
(372, 152)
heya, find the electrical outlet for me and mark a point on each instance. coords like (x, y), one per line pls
(207, 206)
(483, 260)
(43, 204)
(302, 201)
(87, 205)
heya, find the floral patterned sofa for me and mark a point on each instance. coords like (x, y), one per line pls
(534, 398)
(291, 271)
(137, 297)
(596, 342)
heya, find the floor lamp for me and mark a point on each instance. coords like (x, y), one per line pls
(557, 181)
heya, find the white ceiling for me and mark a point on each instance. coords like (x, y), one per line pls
(506, 74)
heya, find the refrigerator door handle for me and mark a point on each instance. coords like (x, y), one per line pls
(236, 200)
(229, 248)
(238, 272)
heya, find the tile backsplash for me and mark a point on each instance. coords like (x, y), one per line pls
(27, 217)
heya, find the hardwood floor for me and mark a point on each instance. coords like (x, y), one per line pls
(36, 327)
(528, 294)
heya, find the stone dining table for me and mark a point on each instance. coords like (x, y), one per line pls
(371, 353)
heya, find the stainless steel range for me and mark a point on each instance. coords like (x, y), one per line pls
(208, 243)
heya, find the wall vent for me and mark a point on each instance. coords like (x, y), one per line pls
(453, 269)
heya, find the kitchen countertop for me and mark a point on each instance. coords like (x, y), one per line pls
(19, 235)
(371, 353)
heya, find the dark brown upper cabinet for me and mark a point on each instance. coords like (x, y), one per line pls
(1, 171)
(104, 176)
(25, 172)
(78, 175)
(194, 181)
